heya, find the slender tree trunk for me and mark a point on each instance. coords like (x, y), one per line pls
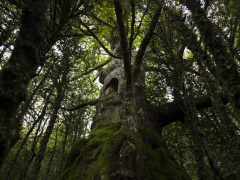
(29, 101)
(215, 169)
(56, 106)
(76, 131)
(26, 138)
(63, 150)
(199, 157)
(51, 158)
(2, 53)
(197, 136)
(24, 169)
(222, 113)
(43, 144)
(224, 138)
(29, 159)
(180, 152)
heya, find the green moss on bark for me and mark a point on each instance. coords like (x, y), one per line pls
(98, 157)
(112, 98)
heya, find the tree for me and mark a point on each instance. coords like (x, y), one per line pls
(155, 51)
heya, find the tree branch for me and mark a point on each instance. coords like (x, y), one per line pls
(132, 26)
(145, 12)
(93, 69)
(71, 35)
(145, 42)
(123, 43)
(101, 44)
(171, 112)
(101, 21)
(89, 103)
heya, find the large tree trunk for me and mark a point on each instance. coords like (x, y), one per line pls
(116, 151)
(16, 73)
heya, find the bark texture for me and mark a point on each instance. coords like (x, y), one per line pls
(223, 59)
(103, 156)
(114, 150)
(16, 74)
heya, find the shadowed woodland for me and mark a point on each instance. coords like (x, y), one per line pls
(119, 89)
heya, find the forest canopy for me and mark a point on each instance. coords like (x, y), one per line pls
(53, 54)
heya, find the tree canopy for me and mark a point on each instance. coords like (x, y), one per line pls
(53, 54)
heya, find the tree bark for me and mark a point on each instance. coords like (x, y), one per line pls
(43, 144)
(16, 74)
(27, 135)
(53, 153)
(24, 168)
(63, 158)
(215, 44)
(171, 112)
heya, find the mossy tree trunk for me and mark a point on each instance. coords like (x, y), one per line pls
(123, 143)
(107, 155)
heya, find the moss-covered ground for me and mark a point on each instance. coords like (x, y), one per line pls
(93, 158)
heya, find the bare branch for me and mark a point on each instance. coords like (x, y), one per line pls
(132, 25)
(138, 28)
(93, 69)
(145, 42)
(89, 103)
(101, 21)
(102, 45)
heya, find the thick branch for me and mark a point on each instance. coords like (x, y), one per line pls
(123, 43)
(145, 42)
(172, 112)
(89, 103)
(132, 25)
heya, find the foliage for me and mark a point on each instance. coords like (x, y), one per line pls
(179, 66)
